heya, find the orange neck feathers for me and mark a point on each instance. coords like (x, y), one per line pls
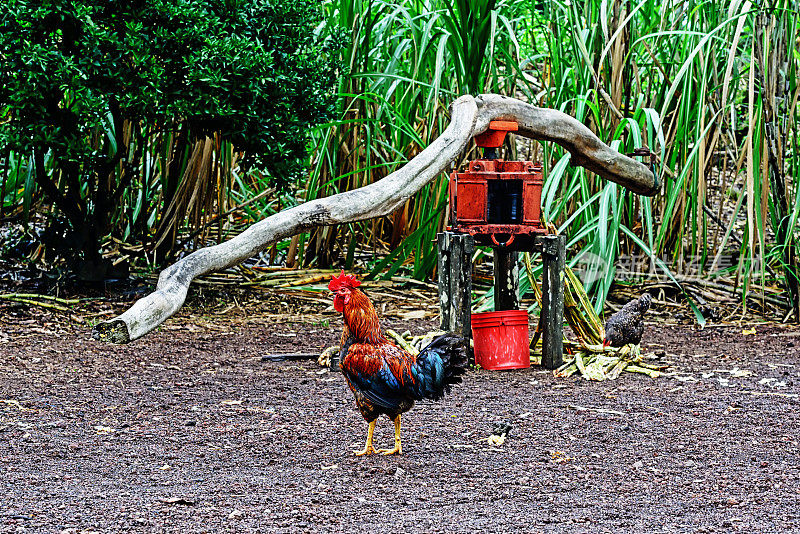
(361, 318)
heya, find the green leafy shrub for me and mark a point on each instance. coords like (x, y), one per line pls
(88, 87)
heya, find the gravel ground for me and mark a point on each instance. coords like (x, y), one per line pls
(187, 430)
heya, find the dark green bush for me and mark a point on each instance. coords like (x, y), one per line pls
(76, 75)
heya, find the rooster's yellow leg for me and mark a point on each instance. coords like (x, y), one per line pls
(398, 447)
(368, 448)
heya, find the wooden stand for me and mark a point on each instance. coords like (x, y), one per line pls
(455, 283)
(553, 249)
(455, 287)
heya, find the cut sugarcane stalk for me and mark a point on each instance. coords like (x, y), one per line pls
(617, 369)
(591, 359)
(402, 342)
(633, 368)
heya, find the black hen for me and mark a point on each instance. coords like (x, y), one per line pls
(626, 325)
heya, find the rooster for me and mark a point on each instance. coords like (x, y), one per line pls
(384, 378)
(626, 325)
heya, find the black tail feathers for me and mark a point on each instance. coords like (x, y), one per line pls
(441, 364)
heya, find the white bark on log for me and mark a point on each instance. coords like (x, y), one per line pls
(469, 116)
(585, 147)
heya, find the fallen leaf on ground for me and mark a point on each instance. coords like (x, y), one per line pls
(738, 373)
(416, 314)
(772, 382)
(688, 378)
(15, 404)
(496, 441)
(560, 457)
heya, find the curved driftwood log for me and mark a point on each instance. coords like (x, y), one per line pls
(586, 149)
(469, 117)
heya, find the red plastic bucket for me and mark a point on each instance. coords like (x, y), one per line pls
(501, 339)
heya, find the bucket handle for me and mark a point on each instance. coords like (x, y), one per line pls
(506, 244)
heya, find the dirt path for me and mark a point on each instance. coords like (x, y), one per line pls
(188, 431)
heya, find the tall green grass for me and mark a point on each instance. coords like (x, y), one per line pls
(710, 86)
(176, 186)
(407, 61)
(681, 77)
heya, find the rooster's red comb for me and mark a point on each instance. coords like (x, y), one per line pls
(343, 280)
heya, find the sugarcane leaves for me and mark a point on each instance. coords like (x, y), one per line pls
(701, 320)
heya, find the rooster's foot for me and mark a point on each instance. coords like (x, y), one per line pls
(369, 449)
(398, 449)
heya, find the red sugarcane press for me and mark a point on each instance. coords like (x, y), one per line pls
(497, 203)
